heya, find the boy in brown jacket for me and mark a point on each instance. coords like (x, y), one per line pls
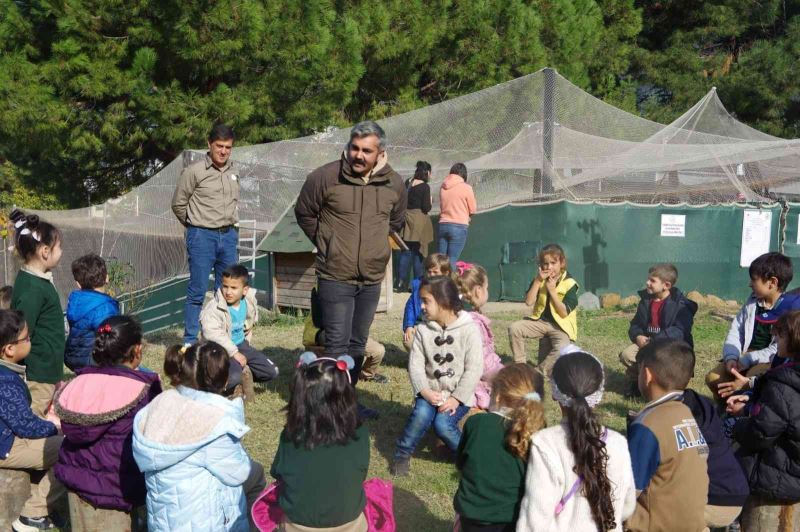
(669, 454)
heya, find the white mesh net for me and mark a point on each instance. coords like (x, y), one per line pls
(535, 138)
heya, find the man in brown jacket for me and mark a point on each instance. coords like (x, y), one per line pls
(205, 202)
(348, 208)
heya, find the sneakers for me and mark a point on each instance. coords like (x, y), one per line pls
(365, 413)
(32, 524)
(400, 466)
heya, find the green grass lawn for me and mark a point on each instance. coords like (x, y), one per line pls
(423, 500)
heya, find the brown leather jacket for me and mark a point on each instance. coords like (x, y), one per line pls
(349, 220)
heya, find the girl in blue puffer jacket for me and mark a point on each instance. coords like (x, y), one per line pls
(187, 442)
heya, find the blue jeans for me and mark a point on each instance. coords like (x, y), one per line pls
(422, 417)
(405, 262)
(207, 249)
(452, 239)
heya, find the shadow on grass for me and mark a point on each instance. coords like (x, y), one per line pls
(412, 514)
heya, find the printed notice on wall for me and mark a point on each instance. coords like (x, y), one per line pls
(755, 235)
(673, 225)
(798, 228)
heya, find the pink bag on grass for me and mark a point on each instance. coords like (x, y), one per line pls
(379, 511)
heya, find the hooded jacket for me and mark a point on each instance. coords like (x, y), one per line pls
(188, 445)
(216, 322)
(677, 317)
(727, 485)
(97, 410)
(86, 310)
(769, 440)
(466, 366)
(456, 201)
(740, 334)
(349, 219)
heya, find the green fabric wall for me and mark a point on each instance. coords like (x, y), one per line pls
(610, 247)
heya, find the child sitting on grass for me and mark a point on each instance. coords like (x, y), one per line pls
(187, 442)
(769, 439)
(668, 451)
(445, 365)
(663, 313)
(323, 451)
(494, 451)
(750, 346)
(96, 409)
(26, 441)
(228, 319)
(473, 283)
(87, 308)
(553, 294)
(579, 474)
(435, 264)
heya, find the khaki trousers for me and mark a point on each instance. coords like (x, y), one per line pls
(39, 456)
(763, 515)
(720, 374)
(373, 356)
(84, 517)
(628, 359)
(357, 525)
(41, 396)
(551, 340)
(721, 516)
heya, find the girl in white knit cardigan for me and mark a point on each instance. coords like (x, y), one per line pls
(579, 474)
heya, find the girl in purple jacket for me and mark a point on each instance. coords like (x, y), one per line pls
(97, 409)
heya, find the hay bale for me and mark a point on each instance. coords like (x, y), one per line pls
(588, 301)
(15, 488)
(630, 301)
(714, 301)
(732, 303)
(609, 300)
(697, 297)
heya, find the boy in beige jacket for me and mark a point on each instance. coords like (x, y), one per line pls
(228, 319)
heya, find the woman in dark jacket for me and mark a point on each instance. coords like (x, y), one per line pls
(418, 231)
(769, 438)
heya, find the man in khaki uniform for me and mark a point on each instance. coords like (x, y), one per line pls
(205, 202)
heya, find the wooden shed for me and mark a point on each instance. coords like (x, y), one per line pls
(292, 267)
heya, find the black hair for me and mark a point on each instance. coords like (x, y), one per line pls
(788, 328)
(422, 171)
(6, 293)
(444, 291)
(670, 361)
(90, 271)
(578, 375)
(203, 366)
(115, 340)
(32, 226)
(12, 322)
(459, 169)
(773, 264)
(221, 131)
(237, 271)
(322, 408)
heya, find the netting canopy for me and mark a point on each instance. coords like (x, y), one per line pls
(533, 139)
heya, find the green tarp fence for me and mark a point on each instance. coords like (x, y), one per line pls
(610, 247)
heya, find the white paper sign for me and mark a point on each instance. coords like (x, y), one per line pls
(755, 235)
(798, 228)
(673, 225)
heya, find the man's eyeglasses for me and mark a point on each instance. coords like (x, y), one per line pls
(21, 340)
